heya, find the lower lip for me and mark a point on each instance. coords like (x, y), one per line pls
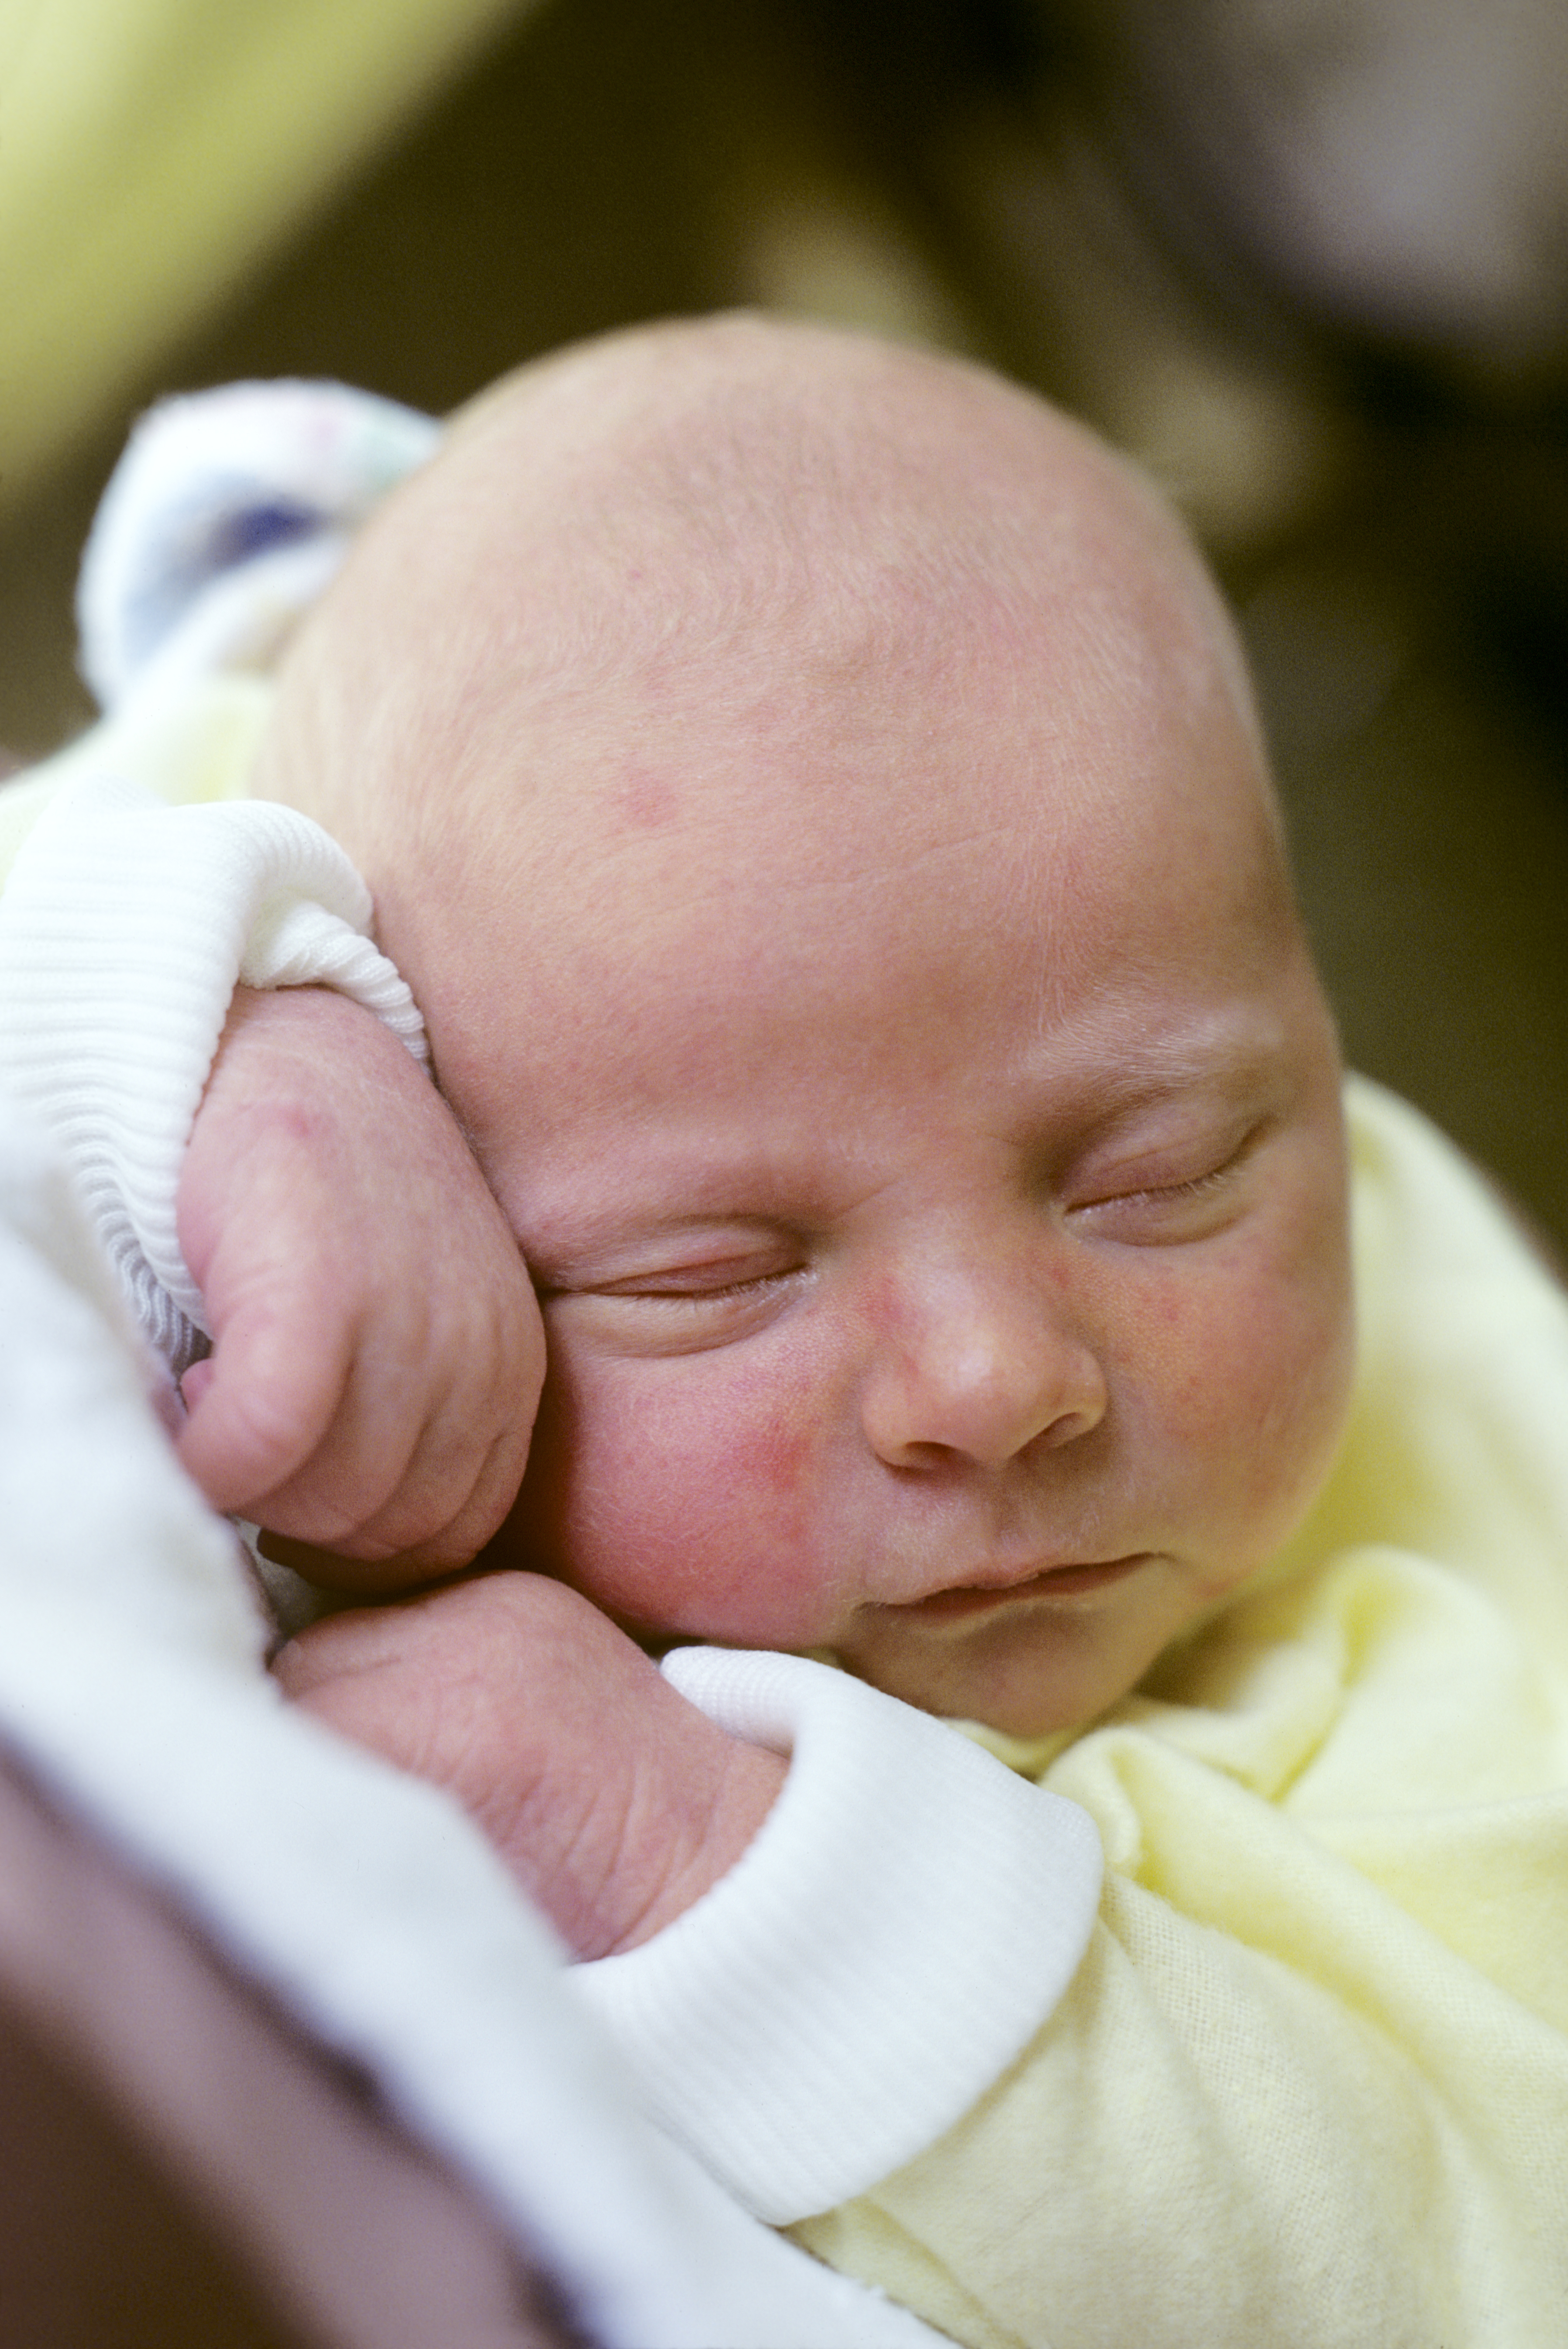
(1059, 1582)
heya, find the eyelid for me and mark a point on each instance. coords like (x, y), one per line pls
(739, 1273)
(1227, 1160)
(668, 1289)
(664, 1320)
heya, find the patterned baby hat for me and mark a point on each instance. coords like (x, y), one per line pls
(225, 519)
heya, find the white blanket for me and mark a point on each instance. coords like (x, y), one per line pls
(132, 1682)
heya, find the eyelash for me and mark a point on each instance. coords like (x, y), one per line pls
(1195, 1187)
(1192, 1188)
(732, 1292)
(729, 1292)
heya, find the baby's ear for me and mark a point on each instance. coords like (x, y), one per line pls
(225, 519)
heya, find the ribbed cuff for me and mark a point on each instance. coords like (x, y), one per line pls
(123, 928)
(907, 1917)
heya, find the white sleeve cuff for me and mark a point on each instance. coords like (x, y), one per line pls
(908, 1915)
(123, 928)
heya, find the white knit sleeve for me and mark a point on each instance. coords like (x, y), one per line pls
(909, 1914)
(124, 926)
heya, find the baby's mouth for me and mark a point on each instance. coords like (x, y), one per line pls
(1046, 1585)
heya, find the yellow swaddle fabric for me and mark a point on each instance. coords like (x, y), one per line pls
(1311, 2084)
(199, 743)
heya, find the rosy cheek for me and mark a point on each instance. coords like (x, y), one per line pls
(686, 1495)
(782, 1449)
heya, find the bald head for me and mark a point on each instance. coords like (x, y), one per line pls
(710, 517)
(812, 790)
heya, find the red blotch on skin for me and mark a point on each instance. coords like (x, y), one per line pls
(643, 801)
(780, 1451)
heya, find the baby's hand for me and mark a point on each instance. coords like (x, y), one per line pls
(614, 1801)
(378, 1350)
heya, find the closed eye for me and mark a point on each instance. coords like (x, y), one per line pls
(677, 1311)
(1167, 1213)
(697, 1288)
(1195, 1186)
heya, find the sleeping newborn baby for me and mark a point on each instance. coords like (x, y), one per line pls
(813, 792)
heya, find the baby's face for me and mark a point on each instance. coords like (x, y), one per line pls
(922, 1121)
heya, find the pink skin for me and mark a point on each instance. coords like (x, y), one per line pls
(376, 1348)
(887, 1036)
(376, 1361)
(612, 1801)
(950, 1206)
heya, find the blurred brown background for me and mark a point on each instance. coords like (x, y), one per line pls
(1310, 262)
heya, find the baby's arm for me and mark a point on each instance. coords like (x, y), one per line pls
(378, 1351)
(1299, 2140)
(354, 1273)
(612, 1800)
(823, 1922)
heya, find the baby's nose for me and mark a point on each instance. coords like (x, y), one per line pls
(980, 1366)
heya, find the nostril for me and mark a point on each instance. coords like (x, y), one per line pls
(925, 1428)
(979, 1369)
(1068, 1428)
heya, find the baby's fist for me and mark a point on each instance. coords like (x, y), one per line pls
(378, 1351)
(614, 1801)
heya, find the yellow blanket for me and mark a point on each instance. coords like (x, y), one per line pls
(197, 744)
(1310, 2084)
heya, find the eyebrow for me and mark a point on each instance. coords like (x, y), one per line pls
(1225, 1048)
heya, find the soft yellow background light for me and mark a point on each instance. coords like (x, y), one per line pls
(152, 150)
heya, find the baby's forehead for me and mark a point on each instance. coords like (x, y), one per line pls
(655, 484)
(860, 849)
(730, 591)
